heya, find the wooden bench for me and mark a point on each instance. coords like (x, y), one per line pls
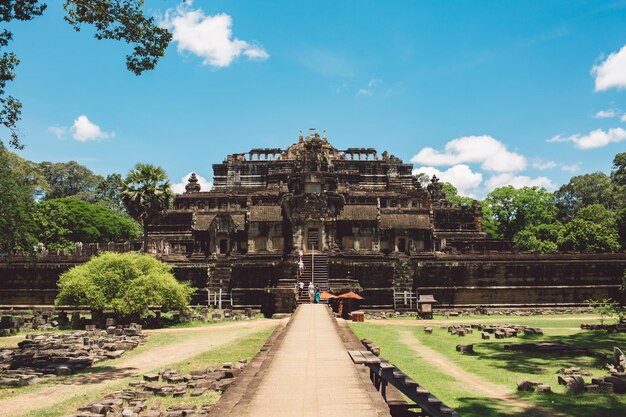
(363, 357)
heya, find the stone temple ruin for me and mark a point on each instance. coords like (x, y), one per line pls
(354, 213)
(363, 222)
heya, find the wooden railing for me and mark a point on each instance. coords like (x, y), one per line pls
(382, 373)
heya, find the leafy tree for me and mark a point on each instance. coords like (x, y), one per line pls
(121, 20)
(584, 190)
(16, 206)
(146, 195)
(109, 192)
(489, 225)
(541, 238)
(452, 195)
(511, 210)
(620, 222)
(606, 308)
(403, 274)
(61, 222)
(69, 179)
(593, 229)
(29, 173)
(618, 174)
(126, 283)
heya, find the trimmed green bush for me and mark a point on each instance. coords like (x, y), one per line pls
(126, 283)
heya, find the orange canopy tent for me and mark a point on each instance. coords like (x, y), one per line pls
(351, 295)
(326, 295)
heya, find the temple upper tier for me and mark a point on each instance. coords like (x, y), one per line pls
(313, 196)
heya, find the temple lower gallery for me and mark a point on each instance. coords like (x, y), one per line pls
(363, 222)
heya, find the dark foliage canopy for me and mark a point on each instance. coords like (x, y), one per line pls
(61, 222)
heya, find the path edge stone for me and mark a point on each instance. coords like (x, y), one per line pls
(242, 391)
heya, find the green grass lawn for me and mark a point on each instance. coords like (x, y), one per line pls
(505, 368)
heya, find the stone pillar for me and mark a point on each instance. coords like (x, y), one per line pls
(269, 245)
(357, 235)
(252, 234)
(297, 237)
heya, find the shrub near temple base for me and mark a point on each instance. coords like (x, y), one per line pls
(125, 283)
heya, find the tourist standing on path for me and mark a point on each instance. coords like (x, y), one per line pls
(317, 294)
(311, 292)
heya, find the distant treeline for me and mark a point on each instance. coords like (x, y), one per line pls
(586, 214)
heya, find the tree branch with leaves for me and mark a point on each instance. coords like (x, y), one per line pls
(120, 20)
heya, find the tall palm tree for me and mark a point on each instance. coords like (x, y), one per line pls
(146, 194)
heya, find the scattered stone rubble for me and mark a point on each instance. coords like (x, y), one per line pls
(512, 311)
(136, 401)
(44, 355)
(574, 370)
(382, 315)
(41, 319)
(533, 386)
(47, 319)
(480, 311)
(500, 331)
(465, 348)
(572, 379)
(612, 328)
(551, 347)
(617, 379)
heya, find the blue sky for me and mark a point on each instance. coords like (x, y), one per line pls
(483, 93)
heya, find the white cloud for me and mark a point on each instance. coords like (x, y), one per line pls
(623, 118)
(58, 131)
(543, 165)
(84, 130)
(519, 181)
(461, 176)
(179, 187)
(571, 167)
(612, 72)
(606, 114)
(594, 139)
(489, 152)
(210, 37)
(371, 87)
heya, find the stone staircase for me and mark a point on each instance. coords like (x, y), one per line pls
(219, 279)
(316, 271)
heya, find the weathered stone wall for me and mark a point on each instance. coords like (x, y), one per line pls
(373, 273)
(26, 281)
(521, 279)
(471, 279)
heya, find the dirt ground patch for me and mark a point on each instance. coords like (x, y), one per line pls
(480, 385)
(193, 341)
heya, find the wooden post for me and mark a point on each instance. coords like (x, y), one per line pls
(208, 297)
(220, 305)
(312, 263)
(394, 299)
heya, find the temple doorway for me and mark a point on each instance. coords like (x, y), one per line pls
(313, 238)
(223, 246)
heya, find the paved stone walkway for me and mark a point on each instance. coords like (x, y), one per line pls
(311, 374)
